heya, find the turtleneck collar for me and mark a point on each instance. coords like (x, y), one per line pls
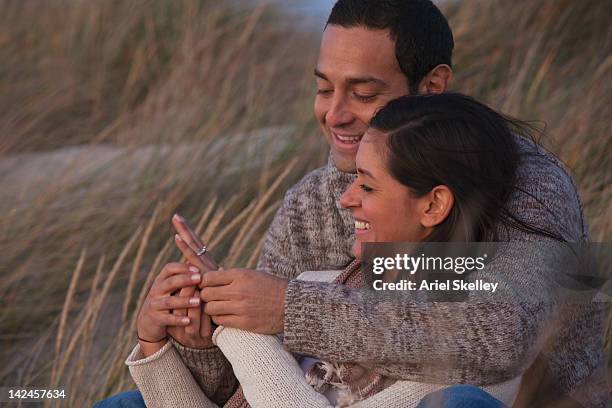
(336, 174)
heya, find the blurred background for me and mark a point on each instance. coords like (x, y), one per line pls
(116, 114)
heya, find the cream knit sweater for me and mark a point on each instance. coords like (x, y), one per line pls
(269, 375)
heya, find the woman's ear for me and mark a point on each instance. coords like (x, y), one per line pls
(438, 204)
(436, 81)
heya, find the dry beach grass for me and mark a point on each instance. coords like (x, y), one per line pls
(114, 115)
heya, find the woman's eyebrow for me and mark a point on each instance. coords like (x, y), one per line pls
(365, 173)
(321, 75)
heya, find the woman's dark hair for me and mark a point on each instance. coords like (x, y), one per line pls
(453, 140)
(422, 36)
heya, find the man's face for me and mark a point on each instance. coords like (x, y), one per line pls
(357, 73)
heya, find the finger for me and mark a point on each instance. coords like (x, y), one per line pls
(221, 307)
(208, 260)
(193, 329)
(206, 326)
(167, 319)
(188, 235)
(227, 320)
(217, 278)
(170, 272)
(172, 268)
(191, 256)
(212, 293)
(186, 232)
(188, 291)
(175, 302)
(177, 282)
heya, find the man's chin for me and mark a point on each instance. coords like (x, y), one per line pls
(344, 162)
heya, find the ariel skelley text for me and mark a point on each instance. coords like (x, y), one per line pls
(448, 285)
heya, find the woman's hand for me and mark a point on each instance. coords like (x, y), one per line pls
(198, 334)
(189, 243)
(156, 316)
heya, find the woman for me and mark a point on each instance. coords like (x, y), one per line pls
(430, 168)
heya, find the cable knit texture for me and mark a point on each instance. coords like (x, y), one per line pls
(269, 375)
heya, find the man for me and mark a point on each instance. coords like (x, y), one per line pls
(372, 51)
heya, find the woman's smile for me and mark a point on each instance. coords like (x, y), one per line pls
(362, 227)
(383, 208)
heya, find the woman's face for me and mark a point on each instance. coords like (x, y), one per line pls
(383, 208)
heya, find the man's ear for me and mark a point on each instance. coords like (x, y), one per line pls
(437, 205)
(436, 81)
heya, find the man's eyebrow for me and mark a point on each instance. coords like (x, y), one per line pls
(366, 80)
(365, 172)
(354, 81)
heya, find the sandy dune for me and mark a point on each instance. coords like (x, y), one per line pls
(26, 176)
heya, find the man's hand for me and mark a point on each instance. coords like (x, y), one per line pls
(245, 299)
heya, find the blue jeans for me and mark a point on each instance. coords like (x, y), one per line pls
(128, 399)
(460, 396)
(456, 396)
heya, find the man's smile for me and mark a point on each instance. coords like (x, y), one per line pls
(346, 141)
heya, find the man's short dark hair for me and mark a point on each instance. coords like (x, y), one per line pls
(421, 33)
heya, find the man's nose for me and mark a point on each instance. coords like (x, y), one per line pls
(338, 113)
(349, 199)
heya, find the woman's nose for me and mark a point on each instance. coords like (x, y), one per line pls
(349, 199)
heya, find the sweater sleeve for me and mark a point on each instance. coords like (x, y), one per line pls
(211, 370)
(269, 375)
(476, 342)
(164, 381)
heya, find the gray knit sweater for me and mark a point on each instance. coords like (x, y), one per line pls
(477, 343)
